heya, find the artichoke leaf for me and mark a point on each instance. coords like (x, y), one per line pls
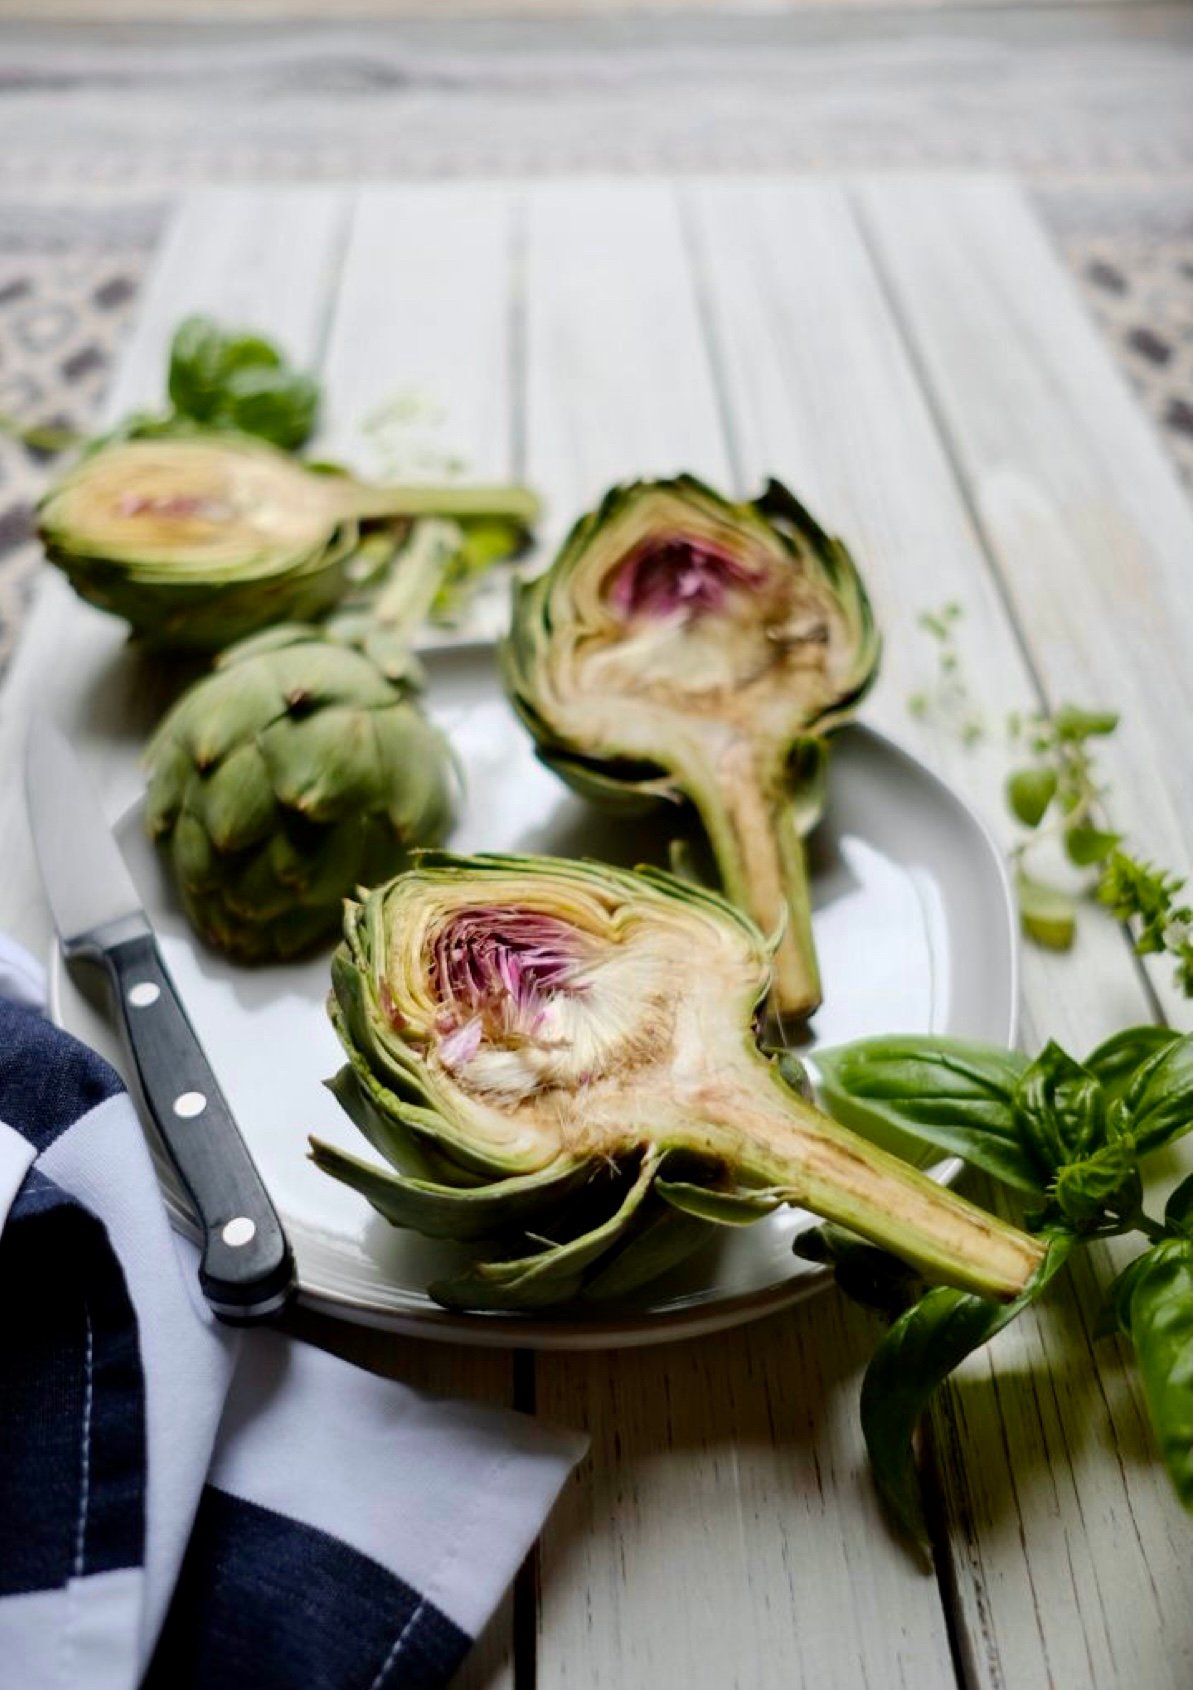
(447, 1211)
(555, 1274)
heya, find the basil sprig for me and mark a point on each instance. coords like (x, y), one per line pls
(1068, 1138)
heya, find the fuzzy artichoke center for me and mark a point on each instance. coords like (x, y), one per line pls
(548, 1015)
(716, 623)
(528, 1003)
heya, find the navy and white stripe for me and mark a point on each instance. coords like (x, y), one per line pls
(183, 1504)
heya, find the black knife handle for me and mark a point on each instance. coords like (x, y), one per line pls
(246, 1269)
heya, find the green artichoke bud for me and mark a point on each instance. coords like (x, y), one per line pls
(559, 1060)
(298, 770)
(684, 646)
(200, 538)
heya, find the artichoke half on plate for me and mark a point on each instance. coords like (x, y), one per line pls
(202, 538)
(558, 1061)
(685, 646)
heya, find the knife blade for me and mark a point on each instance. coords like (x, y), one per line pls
(246, 1269)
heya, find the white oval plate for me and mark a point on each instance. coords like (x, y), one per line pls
(915, 932)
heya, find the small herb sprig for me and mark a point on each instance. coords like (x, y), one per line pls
(947, 699)
(1068, 1139)
(1056, 792)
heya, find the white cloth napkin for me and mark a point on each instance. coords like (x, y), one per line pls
(184, 1504)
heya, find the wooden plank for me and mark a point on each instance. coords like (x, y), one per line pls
(1078, 506)
(722, 1531)
(418, 374)
(256, 258)
(821, 388)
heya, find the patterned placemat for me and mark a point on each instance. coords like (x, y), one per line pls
(65, 309)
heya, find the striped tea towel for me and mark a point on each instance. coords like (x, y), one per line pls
(184, 1504)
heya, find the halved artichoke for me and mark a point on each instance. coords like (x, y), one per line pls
(685, 646)
(559, 1059)
(298, 770)
(200, 538)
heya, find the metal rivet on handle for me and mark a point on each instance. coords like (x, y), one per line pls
(143, 994)
(239, 1230)
(189, 1104)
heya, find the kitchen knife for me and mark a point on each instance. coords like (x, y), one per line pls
(246, 1270)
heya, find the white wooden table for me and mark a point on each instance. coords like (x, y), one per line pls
(909, 355)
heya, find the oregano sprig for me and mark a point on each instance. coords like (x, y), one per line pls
(1056, 792)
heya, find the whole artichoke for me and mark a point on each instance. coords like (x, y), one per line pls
(559, 1060)
(684, 646)
(199, 538)
(298, 770)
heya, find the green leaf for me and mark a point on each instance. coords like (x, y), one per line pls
(1104, 1184)
(1047, 914)
(1179, 1218)
(233, 380)
(1116, 1313)
(279, 405)
(921, 1350)
(862, 1271)
(1060, 1110)
(1114, 1062)
(1088, 845)
(1071, 722)
(1030, 792)
(949, 1093)
(1159, 1098)
(1162, 1313)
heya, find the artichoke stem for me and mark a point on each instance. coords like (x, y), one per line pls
(362, 500)
(767, 1134)
(747, 811)
(418, 574)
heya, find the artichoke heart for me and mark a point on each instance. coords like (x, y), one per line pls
(681, 645)
(200, 538)
(558, 1061)
(299, 769)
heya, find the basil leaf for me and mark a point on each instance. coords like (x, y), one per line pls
(1060, 1109)
(948, 1093)
(1160, 1095)
(862, 1271)
(1179, 1221)
(1116, 1313)
(1101, 1185)
(921, 1350)
(1115, 1061)
(231, 380)
(1162, 1311)
(278, 405)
